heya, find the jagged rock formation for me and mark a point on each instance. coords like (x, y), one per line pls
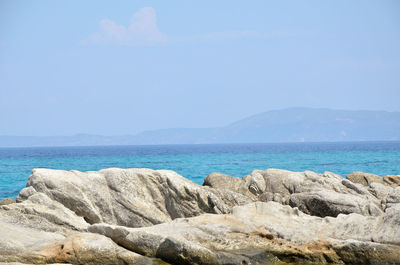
(129, 197)
(322, 195)
(143, 216)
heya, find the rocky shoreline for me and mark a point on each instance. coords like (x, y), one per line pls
(144, 216)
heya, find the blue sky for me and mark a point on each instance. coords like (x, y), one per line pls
(121, 67)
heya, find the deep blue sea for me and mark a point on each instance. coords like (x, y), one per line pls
(195, 162)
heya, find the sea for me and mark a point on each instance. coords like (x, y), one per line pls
(195, 162)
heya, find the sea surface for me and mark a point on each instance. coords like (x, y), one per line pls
(195, 162)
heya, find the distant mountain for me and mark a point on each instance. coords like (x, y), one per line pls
(287, 125)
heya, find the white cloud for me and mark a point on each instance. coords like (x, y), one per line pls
(142, 30)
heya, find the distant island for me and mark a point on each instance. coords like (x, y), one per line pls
(286, 125)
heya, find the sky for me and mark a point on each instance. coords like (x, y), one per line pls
(122, 67)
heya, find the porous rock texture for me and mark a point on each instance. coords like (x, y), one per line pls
(143, 216)
(366, 179)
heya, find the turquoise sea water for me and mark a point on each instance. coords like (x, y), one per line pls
(195, 162)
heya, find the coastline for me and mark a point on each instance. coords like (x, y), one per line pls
(195, 162)
(144, 216)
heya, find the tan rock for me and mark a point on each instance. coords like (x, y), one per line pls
(392, 180)
(364, 178)
(7, 201)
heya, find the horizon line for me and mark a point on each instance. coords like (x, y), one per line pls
(198, 144)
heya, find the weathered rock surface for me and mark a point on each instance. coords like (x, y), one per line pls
(129, 197)
(33, 246)
(366, 179)
(7, 201)
(40, 212)
(226, 182)
(264, 232)
(316, 194)
(392, 180)
(143, 216)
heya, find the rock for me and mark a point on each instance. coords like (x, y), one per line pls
(364, 178)
(27, 245)
(389, 232)
(293, 225)
(322, 194)
(25, 193)
(129, 197)
(22, 244)
(358, 252)
(391, 180)
(226, 182)
(379, 190)
(279, 181)
(40, 212)
(19, 263)
(165, 195)
(89, 248)
(256, 183)
(393, 197)
(329, 203)
(196, 240)
(316, 194)
(143, 216)
(358, 188)
(270, 232)
(7, 201)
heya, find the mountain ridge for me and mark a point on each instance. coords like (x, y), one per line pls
(285, 125)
